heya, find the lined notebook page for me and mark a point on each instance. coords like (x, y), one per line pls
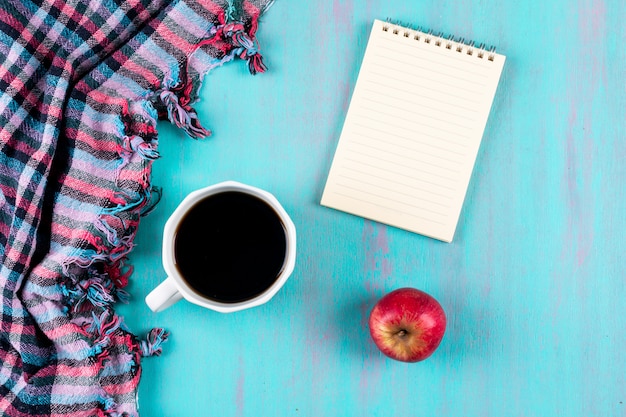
(412, 132)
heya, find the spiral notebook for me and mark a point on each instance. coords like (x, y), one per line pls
(413, 129)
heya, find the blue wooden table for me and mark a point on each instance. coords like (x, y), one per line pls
(533, 284)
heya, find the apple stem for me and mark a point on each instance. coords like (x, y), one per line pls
(401, 333)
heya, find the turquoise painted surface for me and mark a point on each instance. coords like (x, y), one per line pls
(533, 284)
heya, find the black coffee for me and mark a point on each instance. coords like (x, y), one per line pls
(230, 247)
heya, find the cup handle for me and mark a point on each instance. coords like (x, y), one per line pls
(163, 296)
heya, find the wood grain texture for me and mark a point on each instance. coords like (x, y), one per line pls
(533, 284)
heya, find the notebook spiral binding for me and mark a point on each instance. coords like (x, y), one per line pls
(441, 40)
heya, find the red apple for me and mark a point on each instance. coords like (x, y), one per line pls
(407, 324)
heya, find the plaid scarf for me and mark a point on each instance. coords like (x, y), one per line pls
(83, 84)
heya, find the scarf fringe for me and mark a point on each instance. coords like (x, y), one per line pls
(151, 346)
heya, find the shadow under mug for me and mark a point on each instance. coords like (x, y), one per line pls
(177, 286)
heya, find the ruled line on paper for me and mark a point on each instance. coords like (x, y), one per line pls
(454, 62)
(403, 108)
(406, 180)
(406, 120)
(394, 198)
(404, 156)
(411, 147)
(440, 192)
(379, 122)
(427, 70)
(431, 76)
(408, 100)
(447, 94)
(412, 169)
(401, 174)
(413, 83)
(471, 97)
(439, 199)
(388, 207)
(459, 86)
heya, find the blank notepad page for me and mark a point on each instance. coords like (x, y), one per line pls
(412, 131)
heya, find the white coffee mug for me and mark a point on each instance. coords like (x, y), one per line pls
(175, 287)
